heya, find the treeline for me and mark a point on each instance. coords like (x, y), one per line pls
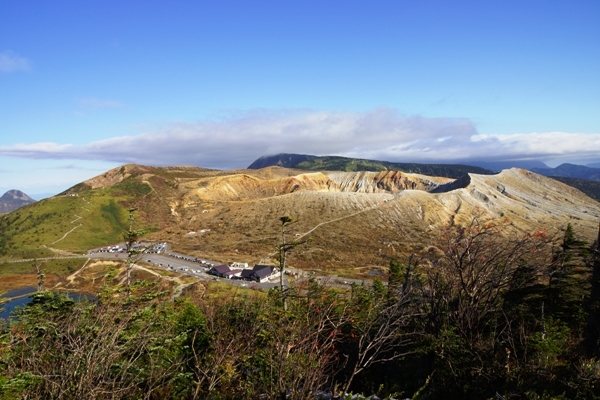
(486, 315)
(336, 163)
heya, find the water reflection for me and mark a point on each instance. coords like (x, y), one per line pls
(7, 308)
(19, 292)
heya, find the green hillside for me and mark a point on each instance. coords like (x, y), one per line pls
(74, 222)
(335, 163)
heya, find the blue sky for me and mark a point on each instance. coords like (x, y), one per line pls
(87, 86)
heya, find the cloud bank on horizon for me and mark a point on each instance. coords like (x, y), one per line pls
(382, 134)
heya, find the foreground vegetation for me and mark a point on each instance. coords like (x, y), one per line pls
(485, 315)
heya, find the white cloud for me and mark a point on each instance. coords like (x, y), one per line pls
(382, 134)
(40, 150)
(11, 62)
(540, 145)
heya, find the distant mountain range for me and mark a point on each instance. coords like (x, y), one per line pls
(570, 171)
(12, 200)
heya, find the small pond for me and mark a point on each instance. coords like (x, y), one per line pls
(7, 308)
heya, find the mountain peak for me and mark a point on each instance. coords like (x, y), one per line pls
(14, 199)
(15, 194)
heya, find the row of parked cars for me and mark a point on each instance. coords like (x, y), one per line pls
(158, 248)
(109, 249)
(191, 259)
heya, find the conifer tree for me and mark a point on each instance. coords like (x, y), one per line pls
(592, 331)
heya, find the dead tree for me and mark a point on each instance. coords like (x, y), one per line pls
(379, 330)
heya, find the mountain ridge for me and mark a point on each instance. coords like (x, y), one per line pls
(337, 163)
(357, 219)
(578, 176)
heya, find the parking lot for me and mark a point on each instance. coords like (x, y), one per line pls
(179, 263)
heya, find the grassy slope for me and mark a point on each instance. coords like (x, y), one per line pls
(88, 219)
(81, 218)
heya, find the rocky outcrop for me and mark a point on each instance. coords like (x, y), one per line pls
(383, 182)
(237, 187)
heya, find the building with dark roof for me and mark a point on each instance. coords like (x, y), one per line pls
(260, 273)
(220, 270)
